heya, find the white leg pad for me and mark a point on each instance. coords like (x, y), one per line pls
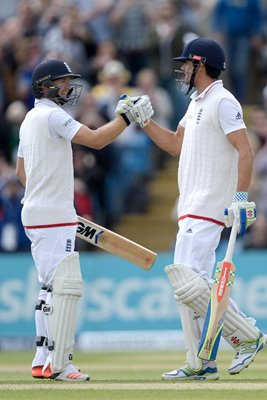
(193, 290)
(192, 335)
(67, 289)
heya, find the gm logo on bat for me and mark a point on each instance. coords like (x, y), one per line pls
(91, 233)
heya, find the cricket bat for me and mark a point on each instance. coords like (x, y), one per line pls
(115, 243)
(219, 300)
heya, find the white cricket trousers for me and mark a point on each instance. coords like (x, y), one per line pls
(49, 246)
(196, 243)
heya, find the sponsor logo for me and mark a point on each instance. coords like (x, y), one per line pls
(238, 116)
(222, 285)
(69, 121)
(208, 344)
(89, 232)
(47, 309)
(235, 340)
(223, 280)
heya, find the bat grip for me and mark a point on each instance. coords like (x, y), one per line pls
(231, 242)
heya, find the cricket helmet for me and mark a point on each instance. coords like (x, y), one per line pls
(42, 82)
(205, 50)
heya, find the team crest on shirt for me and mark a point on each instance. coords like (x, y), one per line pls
(199, 116)
(68, 245)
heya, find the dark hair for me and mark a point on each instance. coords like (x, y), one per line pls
(212, 72)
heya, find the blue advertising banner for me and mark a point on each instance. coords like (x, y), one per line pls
(119, 296)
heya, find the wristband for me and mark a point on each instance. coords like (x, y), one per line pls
(126, 119)
(240, 196)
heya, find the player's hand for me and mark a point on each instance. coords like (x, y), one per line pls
(142, 111)
(124, 107)
(244, 211)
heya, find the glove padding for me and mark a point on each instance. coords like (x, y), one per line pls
(135, 109)
(242, 210)
(142, 111)
(124, 106)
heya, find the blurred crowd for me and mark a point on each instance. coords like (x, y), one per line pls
(125, 46)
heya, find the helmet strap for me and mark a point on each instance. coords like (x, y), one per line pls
(196, 65)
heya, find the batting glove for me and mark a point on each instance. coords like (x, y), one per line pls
(142, 111)
(244, 211)
(124, 108)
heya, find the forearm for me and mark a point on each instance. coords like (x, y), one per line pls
(239, 139)
(164, 138)
(20, 171)
(245, 167)
(102, 136)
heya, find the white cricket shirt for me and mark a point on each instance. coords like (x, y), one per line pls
(45, 146)
(208, 173)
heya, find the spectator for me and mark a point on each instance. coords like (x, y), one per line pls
(168, 37)
(28, 53)
(131, 21)
(106, 51)
(63, 38)
(134, 169)
(147, 83)
(257, 235)
(15, 113)
(12, 235)
(238, 26)
(95, 13)
(113, 81)
(197, 13)
(6, 170)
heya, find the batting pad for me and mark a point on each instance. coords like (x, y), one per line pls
(192, 334)
(193, 290)
(67, 289)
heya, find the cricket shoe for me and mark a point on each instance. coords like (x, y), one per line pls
(245, 354)
(37, 372)
(41, 372)
(72, 374)
(208, 372)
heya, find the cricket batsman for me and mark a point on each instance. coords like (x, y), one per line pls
(215, 167)
(45, 169)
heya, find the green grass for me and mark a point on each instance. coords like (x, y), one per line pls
(128, 376)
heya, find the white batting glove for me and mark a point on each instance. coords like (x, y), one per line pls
(124, 108)
(142, 111)
(244, 211)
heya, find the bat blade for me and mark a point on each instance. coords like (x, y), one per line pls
(115, 243)
(219, 300)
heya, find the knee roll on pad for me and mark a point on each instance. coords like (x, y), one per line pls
(67, 289)
(193, 290)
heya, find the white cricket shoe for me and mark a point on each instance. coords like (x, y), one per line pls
(72, 374)
(208, 372)
(245, 354)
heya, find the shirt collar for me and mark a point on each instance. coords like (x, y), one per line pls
(48, 102)
(195, 96)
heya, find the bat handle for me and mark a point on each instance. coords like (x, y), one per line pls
(231, 243)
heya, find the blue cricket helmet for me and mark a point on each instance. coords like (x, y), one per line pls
(45, 73)
(206, 50)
